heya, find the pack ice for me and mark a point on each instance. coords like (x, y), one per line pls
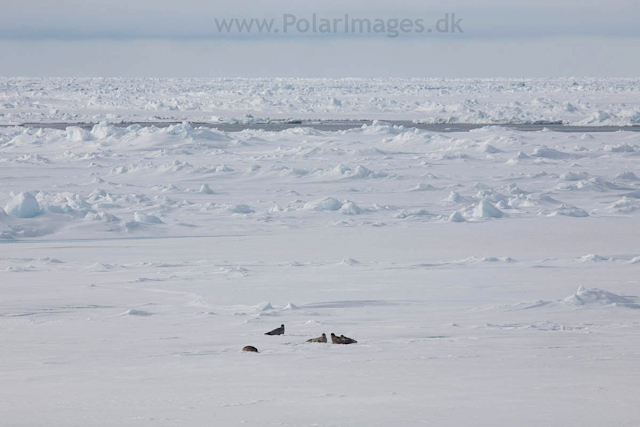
(136, 263)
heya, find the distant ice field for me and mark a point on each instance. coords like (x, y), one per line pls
(338, 125)
(574, 101)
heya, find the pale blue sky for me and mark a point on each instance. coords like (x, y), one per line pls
(178, 38)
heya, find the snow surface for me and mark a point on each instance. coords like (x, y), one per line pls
(579, 101)
(128, 299)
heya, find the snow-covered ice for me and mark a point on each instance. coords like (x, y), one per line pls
(136, 264)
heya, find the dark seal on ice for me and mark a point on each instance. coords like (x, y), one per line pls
(347, 340)
(323, 338)
(277, 331)
(250, 348)
(342, 339)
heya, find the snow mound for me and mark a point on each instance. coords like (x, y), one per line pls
(549, 153)
(584, 297)
(135, 312)
(49, 260)
(205, 189)
(486, 210)
(572, 211)
(594, 258)
(454, 197)
(516, 191)
(598, 117)
(8, 235)
(326, 204)
(456, 217)
(146, 219)
(358, 173)
(491, 259)
(574, 176)
(101, 216)
(262, 307)
(349, 261)
(625, 205)
(24, 205)
(420, 213)
(621, 148)
(223, 168)
(627, 176)
(595, 296)
(312, 323)
(424, 187)
(350, 208)
(488, 148)
(633, 194)
(362, 172)
(515, 160)
(241, 209)
(291, 306)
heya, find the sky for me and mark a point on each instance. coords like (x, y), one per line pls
(162, 38)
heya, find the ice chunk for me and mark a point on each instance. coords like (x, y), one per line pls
(77, 134)
(24, 205)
